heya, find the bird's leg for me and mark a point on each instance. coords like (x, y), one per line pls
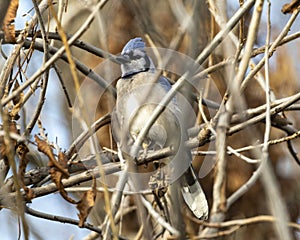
(158, 179)
(145, 145)
(159, 190)
(120, 155)
(145, 150)
(160, 200)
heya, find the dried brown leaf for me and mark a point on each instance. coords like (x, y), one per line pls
(57, 177)
(58, 169)
(63, 160)
(44, 147)
(12, 129)
(18, 103)
(22, 151)
(86, 203)
(8, 22)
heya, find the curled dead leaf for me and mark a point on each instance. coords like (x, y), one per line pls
(18, 103)
(22, 151)
(58, 168)
(13, 128)
(63, 160)
(86, 203)
(44, 147)
(56, 177)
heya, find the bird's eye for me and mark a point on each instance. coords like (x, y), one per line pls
(136, 57)
(133, 56)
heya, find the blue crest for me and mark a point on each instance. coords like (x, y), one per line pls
(135, 43)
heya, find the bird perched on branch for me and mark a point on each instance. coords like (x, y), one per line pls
(139, 91)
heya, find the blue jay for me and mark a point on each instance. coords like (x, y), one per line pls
(139, 91)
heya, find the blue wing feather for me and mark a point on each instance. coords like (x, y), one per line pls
(164, 82)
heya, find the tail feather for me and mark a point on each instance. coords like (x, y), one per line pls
(193, 195)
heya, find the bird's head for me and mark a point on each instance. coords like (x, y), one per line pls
(138, 60)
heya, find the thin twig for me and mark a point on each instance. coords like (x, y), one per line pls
(57, 55)
(244, 222)
(221, 35)
(274, 110)
(274, 45)
(159, 219)
(246, 159)
(41, 100)
(84, 136)
(61, 219)
(218, 234)
(61, 81)
(79, 65)
(276, 204)
(243, 66)
(78, 178)
(77, 43)
(9, 154)
(7, 68)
